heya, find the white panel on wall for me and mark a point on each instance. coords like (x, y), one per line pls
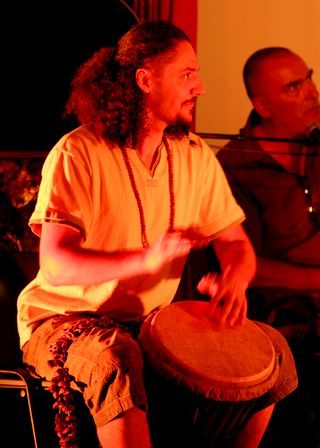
(228, 32)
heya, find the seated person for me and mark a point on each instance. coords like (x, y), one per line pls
(123, 199)
(274, 172)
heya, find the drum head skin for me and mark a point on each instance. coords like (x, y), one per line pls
(228, 364)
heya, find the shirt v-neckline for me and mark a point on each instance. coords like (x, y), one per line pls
(157, 168)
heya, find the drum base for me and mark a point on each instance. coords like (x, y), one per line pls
(179, 418)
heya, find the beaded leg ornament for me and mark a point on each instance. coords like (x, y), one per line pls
(63, 394)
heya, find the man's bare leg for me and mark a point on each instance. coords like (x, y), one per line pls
(129, 430)
(252, 433)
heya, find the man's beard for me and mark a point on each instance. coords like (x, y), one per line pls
(182, 120)
(178, 130)
(180, 126)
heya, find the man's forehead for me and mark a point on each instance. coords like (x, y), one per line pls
(284, 69)
(185, 56)
(281, 63)
(179, 57)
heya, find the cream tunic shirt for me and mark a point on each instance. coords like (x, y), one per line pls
(85, 184)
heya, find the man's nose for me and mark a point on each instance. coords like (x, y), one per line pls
(312, 90)
(199, 88)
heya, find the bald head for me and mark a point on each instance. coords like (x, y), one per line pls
(280, 86)
(253, 71)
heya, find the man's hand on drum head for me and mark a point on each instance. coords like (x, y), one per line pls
(227, 297)
(169, 246)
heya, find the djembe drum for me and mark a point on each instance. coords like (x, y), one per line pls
(218, 364)
(184, 345)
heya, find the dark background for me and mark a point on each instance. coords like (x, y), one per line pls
(41, 46)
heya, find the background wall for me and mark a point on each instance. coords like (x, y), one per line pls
(228, 32)
(41, 47)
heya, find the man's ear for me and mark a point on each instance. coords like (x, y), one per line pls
(261, 106)
(143, 79)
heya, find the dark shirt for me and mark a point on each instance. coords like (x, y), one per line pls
(277, 203)
(281, 226)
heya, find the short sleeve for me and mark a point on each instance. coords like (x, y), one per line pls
(65, 188)
(219, 208)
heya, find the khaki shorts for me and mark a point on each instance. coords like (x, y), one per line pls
(106, 364)
(108, 367)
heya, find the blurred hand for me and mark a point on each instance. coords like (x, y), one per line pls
(228, 299)
(169, 246)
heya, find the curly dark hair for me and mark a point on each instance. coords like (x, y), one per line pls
(104, 93)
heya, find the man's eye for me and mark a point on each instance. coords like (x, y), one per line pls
(292, 89)
(187, 75)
